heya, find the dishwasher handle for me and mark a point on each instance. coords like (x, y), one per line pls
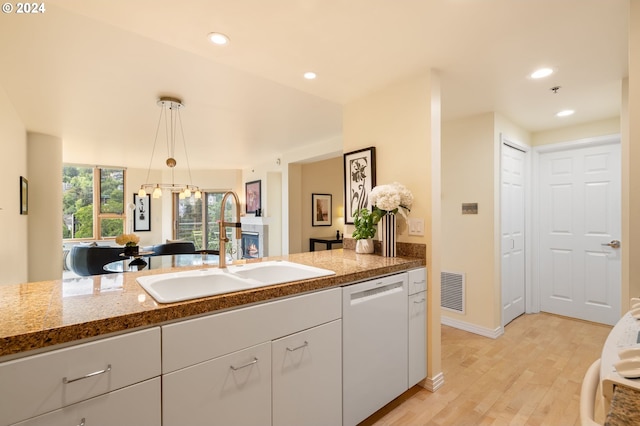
(375, 291)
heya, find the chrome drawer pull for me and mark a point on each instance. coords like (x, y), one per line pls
(95, 373)
(255, 360)
(418, 301)
(81, 422)
(304, 345)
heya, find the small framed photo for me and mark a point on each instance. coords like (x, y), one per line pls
(321, 209)
(359, 180)
(252, 192)
(24, 195)
(142, 213)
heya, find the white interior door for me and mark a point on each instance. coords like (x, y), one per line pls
(579, 274)
(512, 199)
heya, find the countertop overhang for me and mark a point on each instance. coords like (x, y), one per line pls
(39, 315)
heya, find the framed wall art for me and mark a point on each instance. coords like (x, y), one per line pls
(142, 213)
(253, 194)
(24, 195)
(321, 209)
(359, 179)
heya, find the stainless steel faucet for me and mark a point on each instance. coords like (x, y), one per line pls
(222, 257)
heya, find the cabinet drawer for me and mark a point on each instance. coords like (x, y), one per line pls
(307, 377)
(190, 342)
(417, 280)
(134, 405)
(231, 390)
(41, 383)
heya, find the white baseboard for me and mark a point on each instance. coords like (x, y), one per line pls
(472, 328)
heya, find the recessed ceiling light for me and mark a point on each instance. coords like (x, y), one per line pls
(218, 38)
(565, 113)
(310, 75)
(541, 73)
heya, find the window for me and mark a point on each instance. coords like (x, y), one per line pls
(92, 202)
(190, 226)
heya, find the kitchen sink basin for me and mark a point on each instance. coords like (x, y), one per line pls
(277, 272)
(180, 286)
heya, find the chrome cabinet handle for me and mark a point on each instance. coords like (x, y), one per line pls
(419, 301)
(255, 360)
(304, 345)
(612, 244)
(95, 373)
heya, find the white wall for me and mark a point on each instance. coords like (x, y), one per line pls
(13, 226)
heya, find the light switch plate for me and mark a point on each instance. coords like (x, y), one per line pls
(416, 226)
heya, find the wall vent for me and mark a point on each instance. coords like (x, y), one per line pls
(452, 291)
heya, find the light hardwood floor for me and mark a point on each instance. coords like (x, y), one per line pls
(529, 376)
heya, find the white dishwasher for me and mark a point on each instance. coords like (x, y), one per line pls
(374, 345)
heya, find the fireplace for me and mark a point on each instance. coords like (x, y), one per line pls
(250, 245)
(255, 237)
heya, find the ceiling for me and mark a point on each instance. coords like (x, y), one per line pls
(90, 72)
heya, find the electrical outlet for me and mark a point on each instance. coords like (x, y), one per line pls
(416, 227)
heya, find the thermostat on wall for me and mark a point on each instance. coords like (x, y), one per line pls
(469, 208)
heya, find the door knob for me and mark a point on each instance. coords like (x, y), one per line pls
(612, 244)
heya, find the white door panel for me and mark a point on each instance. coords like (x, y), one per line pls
(579, 212)
(513, 233)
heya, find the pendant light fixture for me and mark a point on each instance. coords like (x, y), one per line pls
(170, 115)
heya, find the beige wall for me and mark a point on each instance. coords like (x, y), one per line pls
(321, 177)
(631, 169)
(44, 161)
(274, 212)
(468, 240)
(294, 208)
(606, 127)
(13, 226)
(403, 122)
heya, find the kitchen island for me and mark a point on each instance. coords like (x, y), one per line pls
(38, 316)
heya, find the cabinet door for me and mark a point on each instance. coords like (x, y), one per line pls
(134, 405)
(417, 337)
(234, 389)
(307, 377)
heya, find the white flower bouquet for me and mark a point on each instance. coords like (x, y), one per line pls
(391, 198)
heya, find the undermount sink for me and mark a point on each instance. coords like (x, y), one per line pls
(180, 286)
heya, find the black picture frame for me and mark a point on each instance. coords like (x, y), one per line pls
(24, 195)
(321, 209)
(253, 196)
(359, 180)
(142, 213)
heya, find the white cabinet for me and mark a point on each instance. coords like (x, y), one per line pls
(417, 325)
(218, 369)
(233, 389)
(38, 384)
(307, 377)
(134, 405)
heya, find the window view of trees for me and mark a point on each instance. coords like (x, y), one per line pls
(189, 216)
(83, 189)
